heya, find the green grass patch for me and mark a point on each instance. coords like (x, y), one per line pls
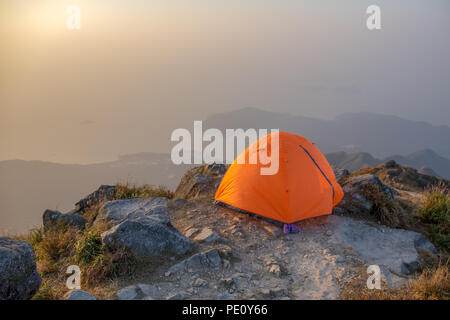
(435, 211)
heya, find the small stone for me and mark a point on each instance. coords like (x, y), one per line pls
(148, 289)
(207, 235)
(190, 232)
(265, 292)
(176, 296)
(224, 250)
(226, 264)
(227, 282)
(179, 202)
(201, 261)
(278, 292)
(275, 270)
(79, 295)
(200, 282)
(225, 296)
(273, 231)
(127, 293)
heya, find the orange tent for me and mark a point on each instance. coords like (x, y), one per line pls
(303, 187)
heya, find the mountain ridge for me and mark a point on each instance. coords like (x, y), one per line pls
(381, 135)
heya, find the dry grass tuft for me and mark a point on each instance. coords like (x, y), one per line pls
(431, 284)
(127, 191)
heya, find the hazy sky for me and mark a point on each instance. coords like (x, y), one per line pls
(139, 68)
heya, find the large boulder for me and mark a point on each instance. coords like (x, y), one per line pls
(19, 278)
(52, 218)
(103, 193)
(147, 235)
(116, 211)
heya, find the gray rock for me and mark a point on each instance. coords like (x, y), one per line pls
(117, 211)
(199, 282)
(176, 296)
(148, 235)
(226, 296)
(392, 280)
(225, 251)
(236, 281)
(339, 173)
(217, 168)
(52, 218)
(363, 201)
(278, 292)
(275, 270)
(394, 248)
(207, 235)
(148, 290)
(79, 295)
(201, 178)
(19, 279)
(194, 184)
(355, 183)
(127, 293)
(103, 193)
(179, 202)
(202, 261)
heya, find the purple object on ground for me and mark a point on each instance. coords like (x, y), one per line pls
(290, 228)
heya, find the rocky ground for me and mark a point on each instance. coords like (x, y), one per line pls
(243, 257)
(202, 250)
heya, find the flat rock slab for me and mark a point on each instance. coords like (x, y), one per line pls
(394, 248)
(117, 211)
